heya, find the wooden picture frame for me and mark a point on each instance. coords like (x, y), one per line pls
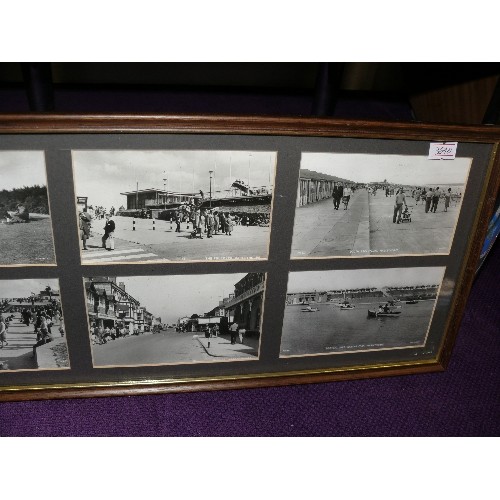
(267, 302)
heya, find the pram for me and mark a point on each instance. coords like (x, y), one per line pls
(406, 215)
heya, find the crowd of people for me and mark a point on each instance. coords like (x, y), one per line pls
(100, 212)
(429, 197)
(214, 221)
(100, 334)
(43, 318)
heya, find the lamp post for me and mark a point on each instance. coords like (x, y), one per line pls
(249, 156)
(210, 172)
(165, 191)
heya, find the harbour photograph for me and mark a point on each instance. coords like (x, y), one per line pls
(32, 331)
(25, 224)
(176, 319)
(362, 205)
(329, 312)
(168, 206)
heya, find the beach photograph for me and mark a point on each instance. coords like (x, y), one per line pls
(329, 312)
(32, 330)
(362, 205)
(25, 225)
(177, 319)
(170, 206)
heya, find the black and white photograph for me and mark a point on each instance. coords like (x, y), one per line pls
(32, 331)
(340, 311)
(359, 205)
(179, 319)
(25, 225)
(168, 206)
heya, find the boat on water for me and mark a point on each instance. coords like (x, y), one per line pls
(393, 305)
(309, 309)
(346, 307)
(412, 302)
(375, 314)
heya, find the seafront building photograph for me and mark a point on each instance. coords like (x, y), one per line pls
(163, 206)
(155, 320)
(330, 312)
(359, 205)
(32, 330)
(25, 224)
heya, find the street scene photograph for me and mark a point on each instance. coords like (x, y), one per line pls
(358, 310)
(179, 319)
(25, 224)
(32, 332)
(359, 205)
(164, 206)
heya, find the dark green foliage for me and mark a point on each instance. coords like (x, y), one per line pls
(33, 198)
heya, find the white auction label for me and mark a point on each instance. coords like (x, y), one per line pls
(442, 150)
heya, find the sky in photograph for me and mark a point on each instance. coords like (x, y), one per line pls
(397, 169)
(23, 288)
(172, 297)
(103, 175)
(22, 168)
(363, 278)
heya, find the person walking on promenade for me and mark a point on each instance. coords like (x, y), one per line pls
(233, 329)
(338, 193)
(435, 199)
(45, 334)
(3, 332)
(346, 196)
(202, 224)
(428, 200)
(398, 206)
(447, 199)
(177, 221)
(84, 228)
(108, 240)
(210, 224)
(216, 222)
(229, 224)
(100, 335)
(241, 333)
(222, 222)
(423, 195)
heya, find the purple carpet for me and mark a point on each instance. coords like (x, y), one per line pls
(463, 401)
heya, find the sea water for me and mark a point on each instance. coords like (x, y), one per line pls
(332, 329)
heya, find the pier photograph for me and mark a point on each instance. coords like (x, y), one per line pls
(179, 319)
(25, 225)
(32, 331)
(167, 206)
(358, 310)
(359, 205)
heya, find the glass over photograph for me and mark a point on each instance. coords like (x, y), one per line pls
(358, 205)
(163, 206)
(156, 320)
(25, 224)
(359, 310)
(32, 332)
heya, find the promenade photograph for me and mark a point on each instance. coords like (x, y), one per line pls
(32, 331)
(169, 206)
(329, 312)
(179, 319)
(25, 225)
(359, 205)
